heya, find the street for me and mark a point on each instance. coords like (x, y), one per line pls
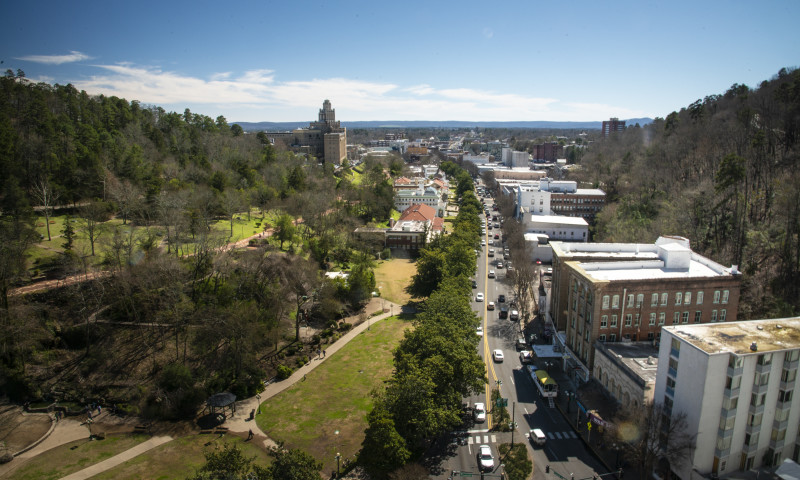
(563, 451)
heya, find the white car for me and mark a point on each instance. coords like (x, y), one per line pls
(485, 459)
(479, 297)
(479, 331)
(479, 412)
(490, 306)
(491, 274)
(483, 242)
(498, 356)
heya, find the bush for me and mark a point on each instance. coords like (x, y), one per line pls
(284, 372)
(344, 326)
(517, 464)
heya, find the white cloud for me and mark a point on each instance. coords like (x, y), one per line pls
(258, 96)
(73, 56)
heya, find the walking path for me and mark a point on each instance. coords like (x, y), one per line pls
(112, 462)
(68, 430)
(241, 422)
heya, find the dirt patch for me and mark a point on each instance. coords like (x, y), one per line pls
(393, 276)
(18, 430)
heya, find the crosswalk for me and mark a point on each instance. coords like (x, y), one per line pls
(562, 435)
(476, 440)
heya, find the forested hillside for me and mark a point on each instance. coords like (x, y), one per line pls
(151, 197)
(722, 172)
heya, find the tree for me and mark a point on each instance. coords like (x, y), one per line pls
(94, 213)
(68, 233)
(651, 435)
(383, 449)
(47, 197)
(232, 202)
(285, 228)
(230, 463)
(292, 464)
(430, 271)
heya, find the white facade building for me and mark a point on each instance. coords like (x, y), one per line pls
(430, 195)
(737, 384)
(567, 229)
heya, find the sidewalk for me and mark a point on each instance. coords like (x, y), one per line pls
(241, 423)
(112, 462)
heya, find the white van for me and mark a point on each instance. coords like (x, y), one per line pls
(538, 437)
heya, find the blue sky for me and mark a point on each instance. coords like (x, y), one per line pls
(435, 60)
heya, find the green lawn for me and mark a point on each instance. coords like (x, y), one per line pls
(72, 457)
(177, 459)
(334, 397)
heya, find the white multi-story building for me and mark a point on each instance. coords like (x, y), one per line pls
(430, 195)
(737, 385)
(558, 197)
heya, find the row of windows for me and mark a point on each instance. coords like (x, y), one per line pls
(656, 299)
(677, 317)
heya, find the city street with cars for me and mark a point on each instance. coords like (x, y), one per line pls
(556, 449)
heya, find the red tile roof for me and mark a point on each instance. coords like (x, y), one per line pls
(418, 211)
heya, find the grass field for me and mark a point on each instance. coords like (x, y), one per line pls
(178, 459)
(393, 276)
(334, 397)
(72, 457)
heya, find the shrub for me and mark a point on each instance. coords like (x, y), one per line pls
(344, 326)
(284, 372)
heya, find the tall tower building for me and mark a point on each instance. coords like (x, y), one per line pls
(613, 125)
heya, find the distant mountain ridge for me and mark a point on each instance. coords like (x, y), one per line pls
(284, 126)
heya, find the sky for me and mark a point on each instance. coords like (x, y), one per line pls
(530, 60)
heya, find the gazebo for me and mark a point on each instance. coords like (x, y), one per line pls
(221, 402)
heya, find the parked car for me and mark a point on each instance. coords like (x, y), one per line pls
(499, 264)
(479, 331)
(474, 284)
(501, 298)
(526, 357)
(503, 312)
(514, 315)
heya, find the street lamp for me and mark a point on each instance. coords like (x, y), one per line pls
(338, 455)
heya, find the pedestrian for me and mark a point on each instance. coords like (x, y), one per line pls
(319, 352)
(250, 434)
(324, 353)
(99, 409)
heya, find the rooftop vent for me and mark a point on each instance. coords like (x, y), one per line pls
(779, 327)
(651, 360)
(754, 347)
(759, 327)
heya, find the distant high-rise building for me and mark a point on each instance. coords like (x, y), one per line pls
(613, 125)
(326, 139)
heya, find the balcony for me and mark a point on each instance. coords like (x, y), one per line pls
(755, 410)
(725, 433)
(790, 365)
(787, 385)
(753, 429)
(722, 453)
(675, 352)
(732, 372)
(750, 448)
(763, 368)
(780, 424)
(731, 392)
(670, 391)
(761, 388)
(777, 444)
(727, 413)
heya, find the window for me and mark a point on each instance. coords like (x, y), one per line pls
(785, 396)
(639, 300)
(792, 356)
(735, 361)
(673, 364)
(697, 316)
(678, 298)
(675, 344)
(761, 379)
(754, 420)
(757, 399)
(652, 319)
(651, 336)
(700, 298)
(687, 298)
(613, 321)
(654, 300)
(615, 301)
(724, 423)
(716, 296)
(685, 318)
(732, 383)
(765, 359)
(670, 384)
(664, 297)
(727, 403)
(725, 294)
(722, 315)
(628, 319)
(630, 300)
(751, 438)
(636, 323)
(713, 316)
(676, 317)
(788, 375)
(602, 337)
(778, 434)
(604, 321)
(612, 338)
(662, 317)
(724, 443)
(605, 302)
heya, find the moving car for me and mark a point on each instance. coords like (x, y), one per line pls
(491, 250)
(538, 437)
(479, 412)
(503, 313)
(485, 459)
(499, 264)
(474, 284)
(490, 306)
(479, 297)
(483, 242)
(491, 274)
(479, 331)
(497, 355)
(501, 298)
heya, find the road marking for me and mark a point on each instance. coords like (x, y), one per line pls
(573, 434)
(558, 435)
(486, 439)
(494, 438)
(550, 434)
(512, 381)
(469, 441)
(526, 411)
(483, 430)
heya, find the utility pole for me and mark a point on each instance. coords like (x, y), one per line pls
(513, 423)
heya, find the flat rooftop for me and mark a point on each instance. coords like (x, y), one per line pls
(646, 270)
(641, 358)
(557, 220)
(737, 337)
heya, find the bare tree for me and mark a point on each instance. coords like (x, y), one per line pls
(232, 202)
(93, 214)
(125, 194)
(47, 197)
(653, 438)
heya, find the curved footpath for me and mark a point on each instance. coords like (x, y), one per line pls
(68, 430)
